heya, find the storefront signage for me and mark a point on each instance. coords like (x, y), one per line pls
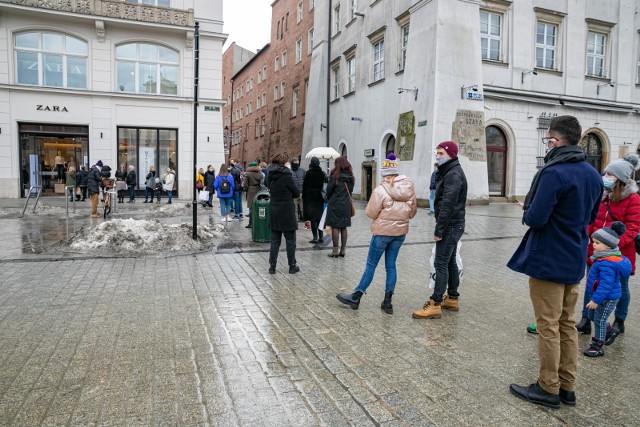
(54, 108)
(475, 96)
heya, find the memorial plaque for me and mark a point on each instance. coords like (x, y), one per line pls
(405, 142)
(468, 132)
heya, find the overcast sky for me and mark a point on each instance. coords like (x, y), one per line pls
(247, 22)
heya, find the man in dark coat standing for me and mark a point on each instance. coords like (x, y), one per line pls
(209, 179)
(298, 179)
(563, 199)
(282, 218)
(94, 181)
(450, 209)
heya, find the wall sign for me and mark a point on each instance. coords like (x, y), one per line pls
(468, 131)
(211, 108)
(406, 136)
(53, 108)
(369, 152)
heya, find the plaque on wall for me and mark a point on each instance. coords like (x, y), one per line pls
(468, 132)
(405, 143)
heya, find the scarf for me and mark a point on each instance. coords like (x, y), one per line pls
(564, 154)
(603, 254)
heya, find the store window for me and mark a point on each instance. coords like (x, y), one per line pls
(51, 59)
(144, 147)
(147, 68)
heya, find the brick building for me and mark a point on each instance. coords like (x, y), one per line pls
(266, 98)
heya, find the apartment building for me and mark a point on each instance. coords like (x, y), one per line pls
(108, 80)
(269, 92)
(489, 74)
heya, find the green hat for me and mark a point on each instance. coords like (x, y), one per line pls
(253, 164)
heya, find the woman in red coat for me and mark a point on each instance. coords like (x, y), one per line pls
(621, 202)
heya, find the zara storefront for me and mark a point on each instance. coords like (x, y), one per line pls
(75, 89)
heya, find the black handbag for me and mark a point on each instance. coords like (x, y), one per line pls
(636, 240)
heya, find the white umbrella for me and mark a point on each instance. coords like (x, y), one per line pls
(323, 153)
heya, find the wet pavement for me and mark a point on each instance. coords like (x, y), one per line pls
(211, 338)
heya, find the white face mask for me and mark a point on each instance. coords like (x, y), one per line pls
(440, 160)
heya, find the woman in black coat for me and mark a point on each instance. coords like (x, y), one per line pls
(282, 218)
(313, 205)
(341, 182)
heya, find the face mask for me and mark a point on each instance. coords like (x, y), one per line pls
(210, 169)
(295, 166)
(608, 182)
(441, 160)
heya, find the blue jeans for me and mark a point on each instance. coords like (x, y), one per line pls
(600, 315)
(447, 274)
(169, 195)
(432, 200)
(237, 205)
(148, 191)
(225, 206)
(622, 308)
(389, 246)
(132, 192)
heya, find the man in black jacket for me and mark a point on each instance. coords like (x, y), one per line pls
(450, 201)
(94, 180)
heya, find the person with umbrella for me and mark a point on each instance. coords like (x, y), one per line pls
(313, 201)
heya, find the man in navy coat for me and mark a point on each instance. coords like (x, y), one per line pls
(563, 199)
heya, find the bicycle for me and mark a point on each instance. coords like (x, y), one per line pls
(108, 184)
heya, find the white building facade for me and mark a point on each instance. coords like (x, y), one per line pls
(110, 80)
(488, 74)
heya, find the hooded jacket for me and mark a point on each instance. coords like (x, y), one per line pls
(627, 210)
(252, 179)
(282, 190)
(604, 277)
(391, 208)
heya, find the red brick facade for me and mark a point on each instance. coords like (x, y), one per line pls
(255, 130)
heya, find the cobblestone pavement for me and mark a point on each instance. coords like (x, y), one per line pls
(213, 339)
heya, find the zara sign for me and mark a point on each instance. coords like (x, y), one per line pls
(54, 108)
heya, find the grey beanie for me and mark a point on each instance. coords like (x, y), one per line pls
(610, 236)
(623, 168)
(390, 165)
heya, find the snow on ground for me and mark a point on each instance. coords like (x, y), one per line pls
(164, 210)
(142, 236)
(41, 209)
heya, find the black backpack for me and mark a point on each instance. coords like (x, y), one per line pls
(225, 187)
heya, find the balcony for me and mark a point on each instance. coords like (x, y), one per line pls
(114, 9)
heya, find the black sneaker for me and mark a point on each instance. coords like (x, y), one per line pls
(272, 269)
(595, 348)
(613, 331)
(294, 269)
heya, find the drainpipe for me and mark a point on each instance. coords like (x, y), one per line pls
(329, 71)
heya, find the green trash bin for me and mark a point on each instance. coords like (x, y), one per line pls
(260, 230)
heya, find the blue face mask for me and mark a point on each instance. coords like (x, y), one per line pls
(441, 160)
(608, 183)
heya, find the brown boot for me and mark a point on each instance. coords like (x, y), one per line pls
(429, 311)
(449, 303)
(335, 253)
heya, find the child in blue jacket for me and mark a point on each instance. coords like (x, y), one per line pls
(609, 266)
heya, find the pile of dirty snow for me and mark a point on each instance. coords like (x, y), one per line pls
(164, 210)
(143, 236)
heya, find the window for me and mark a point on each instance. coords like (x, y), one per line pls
(294, 103)
(351, 74)
(284, 59)
(258, 103)
(638, 71)
(161, 3)
(404, 41)
(276, 63)
(353, 4)
(259, 76)
(596, 45)
(276, 92)
(263, 125)
(378, 60)
(299, 13)
(264, 73)
(264, 99)
(310, 42)
(491, 35)
(147, 68)
(312, 4)
(51, 59)
(278, 31)
(546, 37)
(336, 19)
(257, 134)
(298, 50)
(282, 89)
(335, 80)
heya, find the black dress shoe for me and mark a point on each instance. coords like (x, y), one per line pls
(568, 397)
(272, 269)
(294, 269)
(313, 241)
(352, 300)
(535, 394)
